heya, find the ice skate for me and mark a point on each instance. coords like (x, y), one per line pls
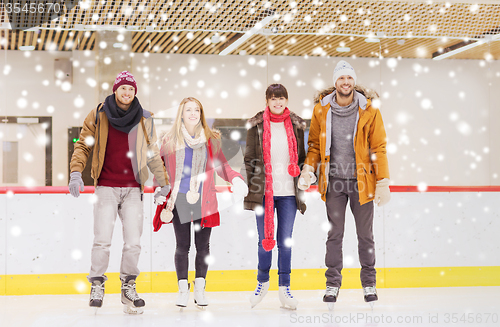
(330, 296)
(370, 293)
(199, 293)
(132, 303)
(183, 297)
(286, 298)
(96, 294)
(259, 293)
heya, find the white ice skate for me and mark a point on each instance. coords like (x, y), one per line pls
(370, 294)
(330, 296)
(96, 294)
(132, 303)
(199, 293)
(183, 297)
(286, 298)
(259, 293)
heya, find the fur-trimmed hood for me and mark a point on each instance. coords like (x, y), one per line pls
(259, 118)
(366, 92)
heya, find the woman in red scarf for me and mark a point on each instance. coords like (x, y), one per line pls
(274, 152)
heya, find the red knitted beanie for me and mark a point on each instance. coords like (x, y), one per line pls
(124, 78)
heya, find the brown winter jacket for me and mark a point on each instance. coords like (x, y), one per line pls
(254, 161)
(369, 144)
(147, 152)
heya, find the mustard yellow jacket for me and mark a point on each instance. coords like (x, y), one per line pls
(94, 135)
(369, 145)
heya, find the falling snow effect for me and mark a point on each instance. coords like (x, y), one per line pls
(434, 118)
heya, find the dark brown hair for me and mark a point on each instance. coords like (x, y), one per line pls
(277, 91)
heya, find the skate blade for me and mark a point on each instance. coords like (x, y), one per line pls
(372, 304)
(201, 307)
(132, 310)
(286, 307)
(331, 306)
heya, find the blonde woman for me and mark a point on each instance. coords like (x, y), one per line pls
(191, 152)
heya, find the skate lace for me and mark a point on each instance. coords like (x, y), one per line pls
(97, 292)
(130, 292)
(287, 293)
(369, 290)
(258, 290)
(331, 290)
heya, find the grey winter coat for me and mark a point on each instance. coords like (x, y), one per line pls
(254, 161)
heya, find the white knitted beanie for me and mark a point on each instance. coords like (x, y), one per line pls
(343, 68)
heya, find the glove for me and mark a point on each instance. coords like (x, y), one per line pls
(239, 187)
(161, 194)
(307, 177)
(382, 192)
(75, 183)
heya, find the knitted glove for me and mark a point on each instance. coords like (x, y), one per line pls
(382, 192)
(239, 187)
(307, 177)
(75, 183)
(161, 194)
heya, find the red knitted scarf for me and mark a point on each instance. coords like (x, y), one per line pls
(293, 169)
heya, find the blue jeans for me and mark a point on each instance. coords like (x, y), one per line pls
(286, 208)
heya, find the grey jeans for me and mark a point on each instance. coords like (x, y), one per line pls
(126, 202)
(339, 191)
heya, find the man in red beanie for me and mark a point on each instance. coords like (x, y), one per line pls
(123, 137)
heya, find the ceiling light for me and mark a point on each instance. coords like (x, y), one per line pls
(247, 35)
(26, 48)
(343, 49)
(372, 40)
(467, 46)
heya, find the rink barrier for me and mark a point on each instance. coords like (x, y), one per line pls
(223, 188)
(245, 280)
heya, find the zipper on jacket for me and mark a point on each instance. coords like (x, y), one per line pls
(98, 128)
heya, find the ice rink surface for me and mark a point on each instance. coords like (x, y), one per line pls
(457, 306)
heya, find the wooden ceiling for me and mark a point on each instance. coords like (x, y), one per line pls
(404, 29)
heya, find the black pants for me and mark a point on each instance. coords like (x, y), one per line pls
(184, 213)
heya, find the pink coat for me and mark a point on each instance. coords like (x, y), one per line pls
(209, 206)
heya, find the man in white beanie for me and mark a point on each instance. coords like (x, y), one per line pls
(347, 144)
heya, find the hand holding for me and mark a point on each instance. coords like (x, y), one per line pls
(161, 194)
(307, 177)
(239, 187)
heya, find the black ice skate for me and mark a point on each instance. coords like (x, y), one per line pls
(330, 296)
(370, 293)
(97, 293)
(132, 303)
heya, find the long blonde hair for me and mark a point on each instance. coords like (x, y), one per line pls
(175, 136)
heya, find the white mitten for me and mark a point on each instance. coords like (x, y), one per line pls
(307, 177)
(382, 192)
(239, 187)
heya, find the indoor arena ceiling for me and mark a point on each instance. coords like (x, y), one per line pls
(361, 28)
